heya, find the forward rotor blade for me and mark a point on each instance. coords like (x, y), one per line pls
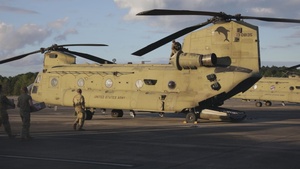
(178, 12)
(53, 47)
(91, 57)
(270, 19)
(82, 45)
(18, 57)
(169, 38)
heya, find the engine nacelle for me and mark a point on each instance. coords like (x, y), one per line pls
(193, 60)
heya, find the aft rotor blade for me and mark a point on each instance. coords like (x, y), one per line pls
(178, 12)
(169, 38)
(271, 19)
(219, 14)
(18, 57)
(90, 57)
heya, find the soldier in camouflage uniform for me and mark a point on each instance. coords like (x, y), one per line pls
(4, 102)
(79, 105)
(176, 46)
(24, 103)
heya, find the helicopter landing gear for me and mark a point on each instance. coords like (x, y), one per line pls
(258, 104)
(116, 113)
(268, 103)
(191, 117)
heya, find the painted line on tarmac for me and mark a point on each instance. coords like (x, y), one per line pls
(68, 160)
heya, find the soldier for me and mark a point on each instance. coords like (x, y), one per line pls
(176, 46)
(4, 102)
(79, 105)
(24, 103)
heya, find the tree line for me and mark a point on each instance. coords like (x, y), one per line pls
(275, 71)
(11, 85)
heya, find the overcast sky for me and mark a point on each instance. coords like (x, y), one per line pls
(28, 25)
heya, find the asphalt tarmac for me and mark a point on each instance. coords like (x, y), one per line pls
(268, 138)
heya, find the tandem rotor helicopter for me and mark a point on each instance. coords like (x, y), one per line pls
(214, 64)
(268, 89)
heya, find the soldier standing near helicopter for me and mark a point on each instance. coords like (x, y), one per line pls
(25, 104)
(4, 102)
(79, 105)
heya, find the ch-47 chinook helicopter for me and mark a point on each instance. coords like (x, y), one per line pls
(215, 63)
(268, 89)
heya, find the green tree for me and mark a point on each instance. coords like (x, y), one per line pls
(12, 85)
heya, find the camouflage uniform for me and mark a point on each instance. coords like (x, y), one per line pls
(3, 114)
(176, 46)
(24, 103)
(79, 104)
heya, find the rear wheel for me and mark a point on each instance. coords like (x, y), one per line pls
(268, 103)
(191, 117)
(117, 113)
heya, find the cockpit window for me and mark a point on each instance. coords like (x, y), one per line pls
(34, 89)
(52, 55)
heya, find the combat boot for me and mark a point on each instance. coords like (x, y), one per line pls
(74, 126)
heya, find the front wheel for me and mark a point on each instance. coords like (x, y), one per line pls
(258, 104)
(191, 117)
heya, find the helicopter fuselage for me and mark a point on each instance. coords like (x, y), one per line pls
(215, 64)
(140, 87)
(268, 89)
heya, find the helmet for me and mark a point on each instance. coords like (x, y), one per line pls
(177, 46)
(79, 91)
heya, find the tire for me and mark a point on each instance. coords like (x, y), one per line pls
(268, 103)
(258, 104)
(116, 113)
(191, 117)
